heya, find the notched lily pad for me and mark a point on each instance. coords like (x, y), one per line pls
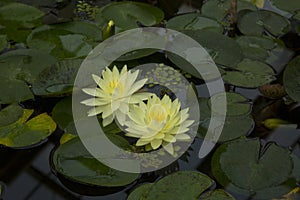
(58, 79)
(127, 15)
(74, 162)
(194, 21)
(25, 132)
(241, 166)
(291, 79)
(249, 74)
(259, 22)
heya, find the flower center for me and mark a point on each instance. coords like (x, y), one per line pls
(158, 113)
(113, 84)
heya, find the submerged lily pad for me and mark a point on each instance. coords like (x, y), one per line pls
(74, 162)
(291, 79)
(287, 5)
(194, 21)
(241, 166)
(24, 132)
(249, 74)
(18, 19)
(171, 187)
(127, 15)
(59, 42)
(58, 79)
(259, 22)
(218, 9)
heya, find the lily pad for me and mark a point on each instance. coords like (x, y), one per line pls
(223, 50)
(249, 74)
(194, 21)
(3, 42)
(291, 79)
(90, 30)
(58, 79)
(59, 42)
(287, 5)
(216, 195)
(24, 64)
(237, 105)
(74, 162)
(24, 132)
(241, 166)
(234, 127)
(127, 15)
(259, 22)
(18, 19)
(256, 48)
(218, 9)
(171, 187)
(10, 114)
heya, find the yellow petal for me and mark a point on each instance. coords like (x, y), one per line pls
(141, 142)
(183, 137)
(169, 148)
(156, 143)
(94, 102)
(137, 85)
(106, 111)
(108, 120)
(169, 138)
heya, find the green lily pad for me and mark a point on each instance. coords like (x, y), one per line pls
(291, 79)
(58, 79)
(259, 22)
(237, 105)
(140, 192)
(216, 195)
(13, 91)
(250, 74)
(24, 64)
(59, 42)
(171, 187)
(62, 113)
(24, 132)
(10, 114)
(234, 127)
(3, 42)
(218, 9)
(287, 5)
(256, 48)
(18, 69)
(126, 15)
(90, 30)
(297, 16)
(18, 19)
(194, 21)
(240, 166)
(74, 162)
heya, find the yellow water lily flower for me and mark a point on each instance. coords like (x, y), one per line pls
(160, 122)
(115, 92)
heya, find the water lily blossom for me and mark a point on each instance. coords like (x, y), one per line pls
(115, 92)
(160, 122)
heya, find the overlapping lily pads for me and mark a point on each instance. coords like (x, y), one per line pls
(171, 187)
(194, 21)
(59, 42)
(243, 167)
(24, 132)
(291, 79)
(74, 162)
(249, 74)
(18, 19)
(58, 79)
(3, 42)
(218, 10)
(18, 69)
(259, 22)
(127, 15)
